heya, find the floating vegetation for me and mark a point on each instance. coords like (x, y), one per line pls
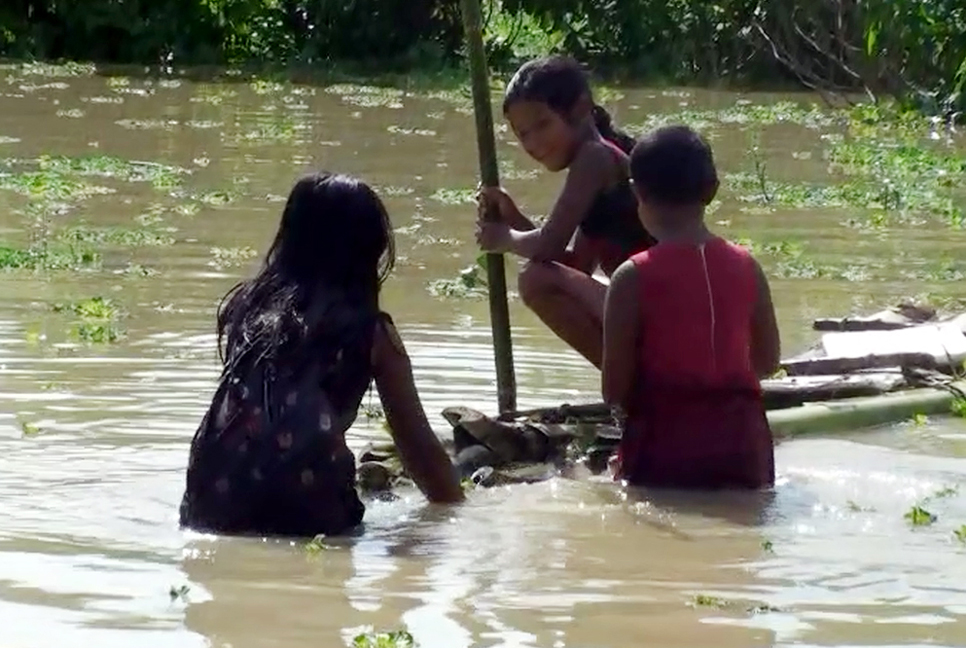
(510, 172)
(368, 96)
(316, 545)
(118, 236)
(93, 308)
(54, 70)
(391, 190)
(103, 100)
(97, 320)
(213, 94)
(470, 283)
(394, 639)
(27, 428)
(948, 491)
(73, 113)
(283, 130)
(854, 507)
(50, 185)
(180, 592)
(919, 419)
(705, 600)
(265, 87)
(48, 257)
(229, 257)
(767, 546)
(147, 124)
(400, 130)
(958, 407)
(744, 112)
(960, 534)
(785, 249)
(137, 270)
(216, 198)
(455, 196)
(918, 516)
(53, 177)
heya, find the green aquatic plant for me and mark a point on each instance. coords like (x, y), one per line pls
(392, 639)
(706, 600)
(234, 256)
(960, 534)
(454, 196)
(316, 545)
(118, 236)
(470, 283)
(958, 407)
(93, 308)
(27, 428)
(919, 419)
(41, 257)
(948, 491)
(179, 593)
(368, 96)
(97, 321)
(767, 546)
(918, 516)
(55, 70)
(743, 113)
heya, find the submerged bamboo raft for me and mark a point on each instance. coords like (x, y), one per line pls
(864, 372)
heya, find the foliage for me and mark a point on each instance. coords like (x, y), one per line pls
(911, 49)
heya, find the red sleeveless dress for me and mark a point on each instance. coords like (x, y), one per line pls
(697, 419)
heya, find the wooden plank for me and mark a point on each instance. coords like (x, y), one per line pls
(846, 365)
(945, 343)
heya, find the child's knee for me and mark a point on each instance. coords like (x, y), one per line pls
(535, 280)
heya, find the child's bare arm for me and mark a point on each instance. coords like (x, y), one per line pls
(421, 452)
(589, 172)
(765, 338)
(620, 336)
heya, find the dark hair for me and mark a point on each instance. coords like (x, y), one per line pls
(560, 82)
(334, 235)
(673, 165)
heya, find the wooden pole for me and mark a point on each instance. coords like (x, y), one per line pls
(506, 387)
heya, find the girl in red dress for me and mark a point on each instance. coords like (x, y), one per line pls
(689, 331)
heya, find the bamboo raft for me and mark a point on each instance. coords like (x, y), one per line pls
(864, 372)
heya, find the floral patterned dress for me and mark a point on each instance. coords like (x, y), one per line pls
(270, 457)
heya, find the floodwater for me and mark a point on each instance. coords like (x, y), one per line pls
(90, 550)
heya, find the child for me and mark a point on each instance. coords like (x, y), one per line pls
(689, 330)
(302, 341)
(550, 108)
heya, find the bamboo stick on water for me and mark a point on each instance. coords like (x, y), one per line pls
(496, 274)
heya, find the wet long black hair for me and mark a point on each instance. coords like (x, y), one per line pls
(560, 82)
(334, 245)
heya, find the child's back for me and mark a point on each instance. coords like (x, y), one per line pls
(696, 303)
(696, 310)
(303, 340)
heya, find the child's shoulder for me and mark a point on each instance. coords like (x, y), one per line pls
(595, 156)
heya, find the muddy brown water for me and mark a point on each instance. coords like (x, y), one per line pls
(89, 544)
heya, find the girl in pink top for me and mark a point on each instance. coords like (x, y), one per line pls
(689, 330)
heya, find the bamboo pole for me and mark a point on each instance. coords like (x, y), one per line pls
(489, 172)
(853, 414)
